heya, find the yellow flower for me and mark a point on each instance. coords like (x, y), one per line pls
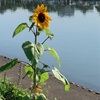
(41, 17)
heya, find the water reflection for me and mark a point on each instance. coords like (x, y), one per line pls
(62, 7)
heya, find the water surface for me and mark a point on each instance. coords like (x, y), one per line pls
(77, 38)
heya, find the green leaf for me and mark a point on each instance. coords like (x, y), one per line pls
(62, 78)
(29, 71)
(48, 33)
(44, 77)
(41, 97)
(33, 51)
(8, 65)
(40, 71)
(45, 66)
(20, 28)
(54, 54)
(31, 18)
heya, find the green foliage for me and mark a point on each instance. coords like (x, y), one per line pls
(31, 26)
(40, 97)
(9, 91)
(29, 71)
(8, 65)
(33, 51)
(31, 18)
(61, 77)
(44, 77)
(20, 28)
(45, 66)
(48, 33)
(54, 54)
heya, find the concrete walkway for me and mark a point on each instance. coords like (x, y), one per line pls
(53, 88)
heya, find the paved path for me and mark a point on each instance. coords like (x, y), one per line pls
(53, 88)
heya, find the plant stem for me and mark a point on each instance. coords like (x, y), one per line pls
(35, 39)
(45, 40)
(26, 63)
(34, 79)
(36, 35)
(34, 66)
(32, 31)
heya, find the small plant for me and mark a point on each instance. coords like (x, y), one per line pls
(40, 21)
(10, 91)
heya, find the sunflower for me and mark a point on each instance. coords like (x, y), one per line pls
(41, 17)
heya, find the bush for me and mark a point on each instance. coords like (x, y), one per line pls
(10, 91)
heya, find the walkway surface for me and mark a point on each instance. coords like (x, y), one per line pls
(53, 88)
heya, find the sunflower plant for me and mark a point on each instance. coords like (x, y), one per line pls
(40, 21)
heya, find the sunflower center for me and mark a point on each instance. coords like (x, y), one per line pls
(41, 17)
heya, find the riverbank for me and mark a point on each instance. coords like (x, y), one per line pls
(53, 88)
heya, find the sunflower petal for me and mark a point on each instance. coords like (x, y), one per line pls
(41, 17)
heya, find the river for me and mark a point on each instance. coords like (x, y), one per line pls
(76, 29)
